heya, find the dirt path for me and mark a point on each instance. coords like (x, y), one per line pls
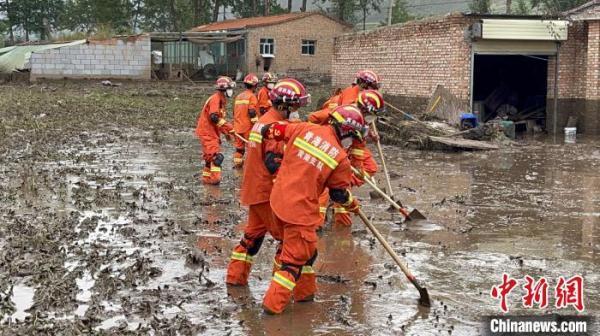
(104, 227)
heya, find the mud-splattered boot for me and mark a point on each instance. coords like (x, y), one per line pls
(239, 267)
(306, 286)
(206, 175)
(215, 175)
(342, 216)
(238, 159)
(279, 294)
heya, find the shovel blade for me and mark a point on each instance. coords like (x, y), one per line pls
(424, 299)
(416, 214)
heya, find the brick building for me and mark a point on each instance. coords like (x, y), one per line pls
(293, 43)
(478, 57)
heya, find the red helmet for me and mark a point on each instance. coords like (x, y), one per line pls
(224, 83)
(289, 91)
(251, 79)
(269, 78)
(348, 121)
(370, 101)
(370, 78)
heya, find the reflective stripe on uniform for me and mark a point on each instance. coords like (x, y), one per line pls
(238, 160)
(357, 152)
(340, 210)
(205, 173)
(308, 270)
(215, 169)
(316, 152)
(241, 257)
(240, 102)
(322, 209)
(283, 281)
(255, 137)
(221, 122)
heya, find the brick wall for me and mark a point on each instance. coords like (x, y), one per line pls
(124, 58)
(593, 60)
(411, 58)
(288, 38)
(579, 79)
(572, 65)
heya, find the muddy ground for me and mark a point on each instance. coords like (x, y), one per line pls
(105, 228)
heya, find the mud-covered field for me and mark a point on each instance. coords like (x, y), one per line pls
(105, 228)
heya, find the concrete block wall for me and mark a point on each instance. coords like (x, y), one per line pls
(412, 58)
(118, 58)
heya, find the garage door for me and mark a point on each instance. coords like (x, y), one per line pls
(499, 47)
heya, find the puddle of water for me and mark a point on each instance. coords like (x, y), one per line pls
(23, 299)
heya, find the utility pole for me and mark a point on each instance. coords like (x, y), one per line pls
(390, 10)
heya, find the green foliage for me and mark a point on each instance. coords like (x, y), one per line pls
(346, 10)
(553, 7)
(522, 8)
(91, 15)
(480, 6)
(400, 13)
(244, 8)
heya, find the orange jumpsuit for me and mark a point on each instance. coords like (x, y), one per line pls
(313, 160)
(257, 183)
(360, 157)
(264, 103)
(244, 116)
(349, 95)
(211, 122)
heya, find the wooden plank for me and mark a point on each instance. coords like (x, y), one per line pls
(464, 143)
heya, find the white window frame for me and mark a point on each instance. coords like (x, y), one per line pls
(267, 46)
(308, 44)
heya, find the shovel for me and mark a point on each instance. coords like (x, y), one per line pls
(413, 214)
(424, 299)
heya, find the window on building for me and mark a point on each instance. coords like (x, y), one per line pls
(308, 47)
(267, 46)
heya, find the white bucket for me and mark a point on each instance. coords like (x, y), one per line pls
(570, 134)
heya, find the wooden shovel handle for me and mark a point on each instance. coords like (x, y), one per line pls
(385, 244)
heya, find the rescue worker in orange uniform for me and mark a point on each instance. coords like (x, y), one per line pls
(211, 123)
(365, 80)
(262, 163)
(314, 158)
(322, 116)
(370, 102)
(264, 103)
(245, 114)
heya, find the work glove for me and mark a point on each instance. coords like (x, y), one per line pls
(373, 135)
(227, 129)
(357, 180)
(352, 206)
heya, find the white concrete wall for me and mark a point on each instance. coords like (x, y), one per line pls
(119, 58)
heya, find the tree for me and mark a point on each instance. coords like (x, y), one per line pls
(342, 9)
(303, 7)
(244, 8)
(554, 7)
(508, 6)
(400, 13)
(481, 6)
(367, 7)
(522, 8)
(91, 15)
